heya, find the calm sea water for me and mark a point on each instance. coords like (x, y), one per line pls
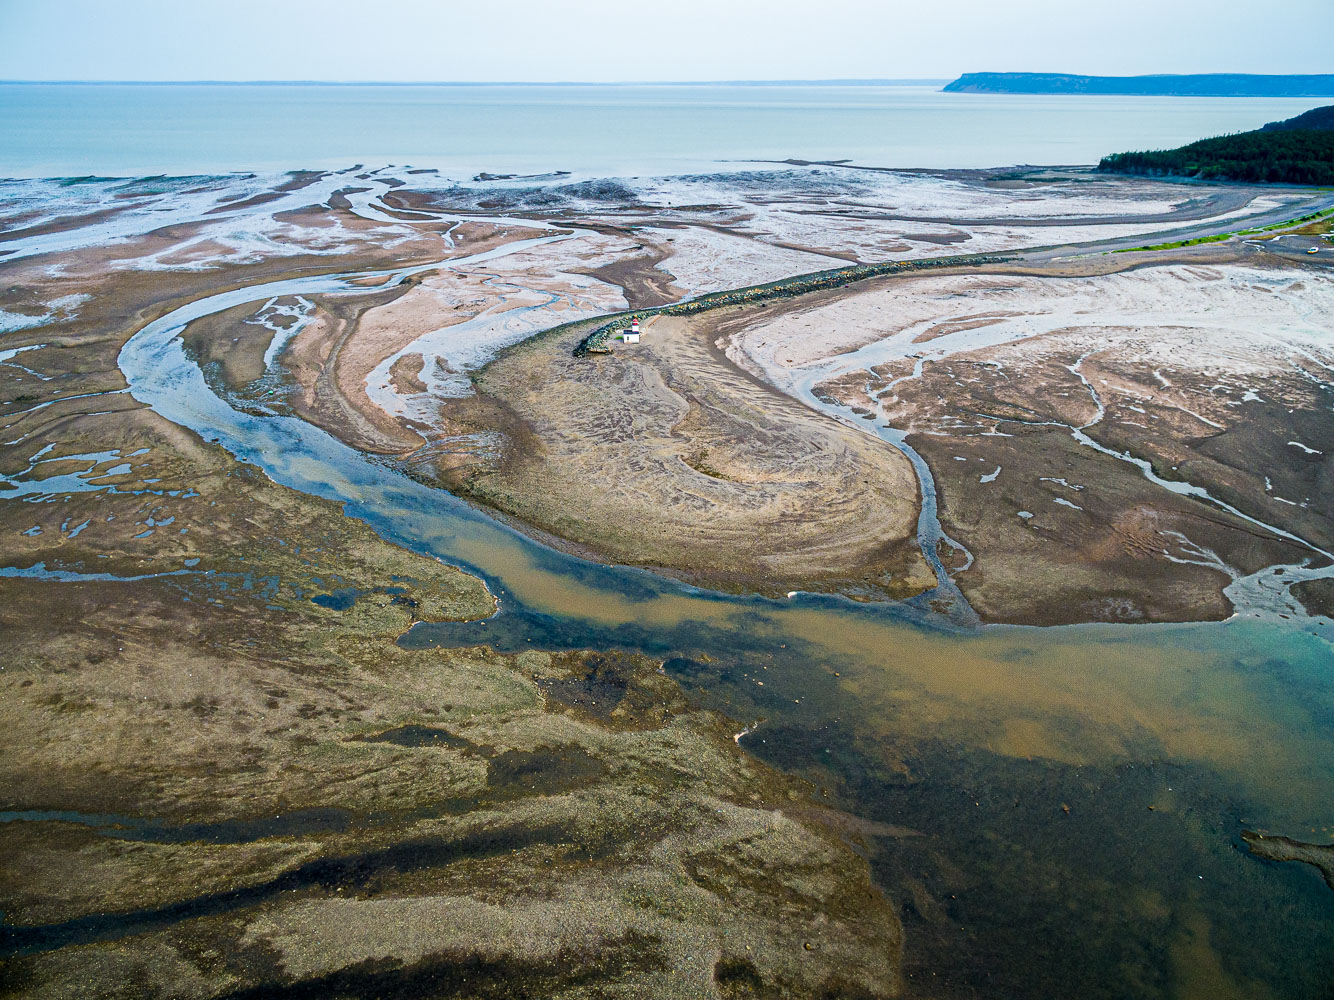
(75, 129)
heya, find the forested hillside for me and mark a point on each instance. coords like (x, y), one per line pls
(1297, 151)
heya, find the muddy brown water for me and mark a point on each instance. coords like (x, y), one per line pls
(1080, 791)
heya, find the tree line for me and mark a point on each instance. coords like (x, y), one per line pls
(1297, 156)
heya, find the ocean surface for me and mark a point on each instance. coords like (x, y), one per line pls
(49, 130)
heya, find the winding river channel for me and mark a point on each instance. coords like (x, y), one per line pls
(1026, 757)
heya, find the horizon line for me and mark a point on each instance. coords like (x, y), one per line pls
(835, 81)
(783, 81)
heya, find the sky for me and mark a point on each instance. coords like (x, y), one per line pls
(659, 40)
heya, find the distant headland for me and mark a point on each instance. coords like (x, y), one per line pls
(1191, 85)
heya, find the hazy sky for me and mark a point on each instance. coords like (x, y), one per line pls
(401, 40)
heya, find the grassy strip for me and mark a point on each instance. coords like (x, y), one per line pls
(1219, 237)
(1291, 222)
(599, 341)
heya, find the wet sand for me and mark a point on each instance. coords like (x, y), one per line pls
(994, 372)
(252, 775)
(667, 455)
(222, 674)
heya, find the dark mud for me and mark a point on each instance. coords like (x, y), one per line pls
(357, 871)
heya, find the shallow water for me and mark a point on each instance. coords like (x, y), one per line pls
(59, 130)
(1026, 758)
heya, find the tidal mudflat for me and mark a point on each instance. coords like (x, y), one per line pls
(363, 640)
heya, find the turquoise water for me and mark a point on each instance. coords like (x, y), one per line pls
(74, 129)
